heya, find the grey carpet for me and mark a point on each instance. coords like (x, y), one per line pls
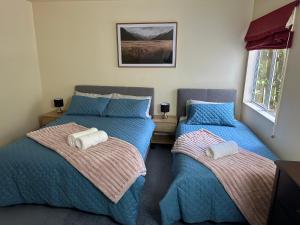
(157, 182)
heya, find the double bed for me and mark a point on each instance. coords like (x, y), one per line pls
(33, 174)
(196, 195)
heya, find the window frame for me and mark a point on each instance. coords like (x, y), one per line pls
(251, 82)
(270, 80)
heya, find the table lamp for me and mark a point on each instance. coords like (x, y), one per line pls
(164, 108)
(59, 103)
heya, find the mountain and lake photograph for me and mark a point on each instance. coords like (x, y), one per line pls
(147, 44)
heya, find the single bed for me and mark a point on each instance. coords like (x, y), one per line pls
(195, 194)
(33, 174)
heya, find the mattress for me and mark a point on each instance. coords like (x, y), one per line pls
(33, 174)
(195, 194)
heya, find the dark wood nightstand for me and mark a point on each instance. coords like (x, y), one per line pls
(164, 132)
(48, 117)
(285, 209)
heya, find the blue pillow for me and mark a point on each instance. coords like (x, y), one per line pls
(212, 114)
(127, 108)
(81, 105)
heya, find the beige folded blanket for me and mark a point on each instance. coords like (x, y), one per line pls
(247, 177)
(112, 166)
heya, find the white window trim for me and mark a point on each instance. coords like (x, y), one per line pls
(261, 111)
(248, 89)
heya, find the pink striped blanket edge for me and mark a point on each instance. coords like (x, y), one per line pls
(112, 166)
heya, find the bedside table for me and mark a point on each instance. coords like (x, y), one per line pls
(164, 132)
(285, 209)
(48, 117)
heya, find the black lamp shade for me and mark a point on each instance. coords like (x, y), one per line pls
(164, 107)
(58, 102)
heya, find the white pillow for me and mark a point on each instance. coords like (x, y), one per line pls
(92, 95)
(120, 96)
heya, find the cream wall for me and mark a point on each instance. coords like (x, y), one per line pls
(77, 45)
(286, 142)
(20, 83)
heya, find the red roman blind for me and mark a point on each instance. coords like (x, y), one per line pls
(272, 31)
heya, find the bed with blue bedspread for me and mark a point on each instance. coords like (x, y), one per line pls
(33, 174)
(196, 195)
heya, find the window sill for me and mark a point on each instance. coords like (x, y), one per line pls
(261, 111)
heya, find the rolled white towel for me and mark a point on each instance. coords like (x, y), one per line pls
(217, 151)
(72, 137)
(89, 140)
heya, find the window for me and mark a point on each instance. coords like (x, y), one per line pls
(268, 78)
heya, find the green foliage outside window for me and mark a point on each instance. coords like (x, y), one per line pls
(269, 78)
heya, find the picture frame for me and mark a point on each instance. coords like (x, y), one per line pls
(147, 44)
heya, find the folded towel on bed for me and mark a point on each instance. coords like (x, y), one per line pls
(72, 137)
(86, 141)
(217, 151)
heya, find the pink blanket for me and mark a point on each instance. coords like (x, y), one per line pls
(112, 166)
(247, 177)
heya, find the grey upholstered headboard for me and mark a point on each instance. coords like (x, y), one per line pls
(137, 91)
(210, 95)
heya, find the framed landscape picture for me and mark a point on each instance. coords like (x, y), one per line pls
(147, 44)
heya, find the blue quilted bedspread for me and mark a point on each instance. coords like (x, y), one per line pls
(195, 194)
(33, 174)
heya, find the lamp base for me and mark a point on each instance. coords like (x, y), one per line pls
(59, 110)
(164, 116)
